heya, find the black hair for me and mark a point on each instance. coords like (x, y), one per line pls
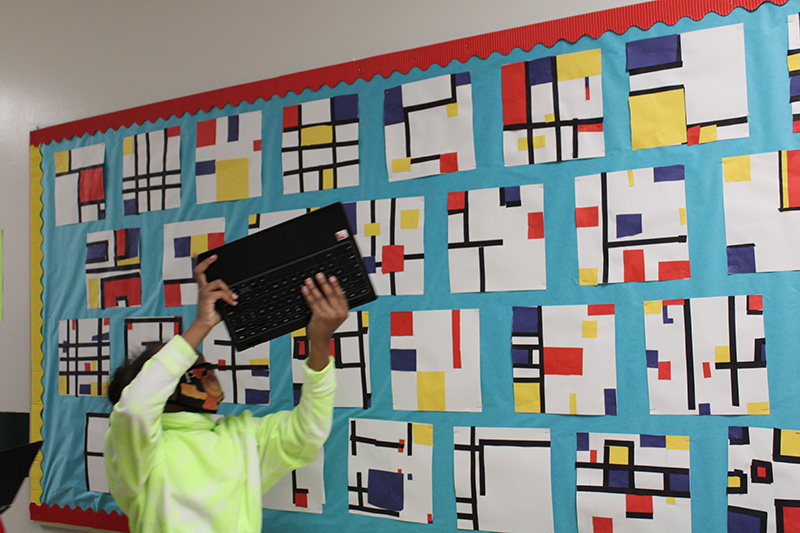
(128, 370)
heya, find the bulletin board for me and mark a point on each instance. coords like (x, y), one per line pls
(583, 235)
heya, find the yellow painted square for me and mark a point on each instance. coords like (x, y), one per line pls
(198, 244)
(409, 219)
(522, 144)
(722, 354)
(653, 307)
(327, 179)
(618, 455)
(263, 362)
(401, 165)
(314, 135)
(233, 181)
(590, 329)
(550, 117)
(736, 168)
(734, 482)
(127, 146)
(365, 319)
(658, 119)
(785, 178)
(790, 443)
(573, 403)
(587, 276)
(671, 500)
(104, 388)
(526, 398)
(252, 220)
(373, 229)
(793, 61)
(299, 332)
(128, 262)
(758, 408)
(93, 293)
(540, 141)
(682, 216)
(675, 442)
(579, 65)
(423, 434)
(430, 391)
(631, 180)
(708, 134)
(452, 110)
(62, 384)
(62, 162)
(93, 390)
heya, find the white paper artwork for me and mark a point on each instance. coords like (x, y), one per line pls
(79, 190)
(706, 356)
(435, 360)
(495, 239)
(389, 470)
(301, 490)
(94, 442)
(428, 127)
(183, 241)
(502, 479)
(244, 376)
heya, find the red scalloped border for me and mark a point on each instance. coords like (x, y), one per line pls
(79, 517)
(547, 33)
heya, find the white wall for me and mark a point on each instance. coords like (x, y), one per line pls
(63, 60)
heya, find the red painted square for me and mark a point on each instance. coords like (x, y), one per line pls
(633, 265)
(793, 178)
(762, 472)
(393, 258)
(206, 133)
(290, 117)
(563, 361)
(693, 135)
(456, 201)
(301, 347)
(706, 370)
(590, 127)
(536, 225)
(635, 503)
(664, 370)
(216, 239)
(600, 309)
(257, 145)
(332, 348)
(448, 163)
(174, 131)
(673, 270)
(796, 126)
(791, 519)
(592, 456)
(402, 446)
(172, 294)
(515, 89)
(301, 499)
(755, 302)
(602, 524)
(587, 217)
(91, 185)
(402, 324)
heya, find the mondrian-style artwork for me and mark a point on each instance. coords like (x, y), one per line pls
(244, 376)
(688, 88)
(793, 62)
(301, 490)
(349, 348)
(706, 356)
(390, 236)
(389, 470)
(428, 127)
(113, 269)
(259, 221)
(228, 158)
(79, 189)
(762, 211)
(502, 479)
(141, 333)
(495, 239)
(151, 171)
(563, 359)
(631, 226)
(633, 483)
(553, 109)
(182, 242)
(94, 437)
(763, 476)
(84, 349)
(320, 144)
(435, 360)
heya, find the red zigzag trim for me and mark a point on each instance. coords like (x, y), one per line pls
(79, 517)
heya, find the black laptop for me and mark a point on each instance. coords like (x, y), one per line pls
(15, 464)
(268, 268)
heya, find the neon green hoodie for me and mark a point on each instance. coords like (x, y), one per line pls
(174, 472)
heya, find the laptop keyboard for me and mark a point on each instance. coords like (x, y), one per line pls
(271, 304)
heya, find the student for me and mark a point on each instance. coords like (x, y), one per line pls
(171, 467)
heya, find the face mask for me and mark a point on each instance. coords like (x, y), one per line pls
(199, 390)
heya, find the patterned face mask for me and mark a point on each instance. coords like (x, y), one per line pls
(199, 390)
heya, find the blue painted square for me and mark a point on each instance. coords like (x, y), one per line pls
(385, 489)
(583, 442)
(393, 106)
(182, 246)
(610, 398)
(742, 259)
(704, 408)
(256, 397)
(85, 389)
(618, 479)
(629, 225)
(652, 358)
(345, 107)
(679, 482)
(670, 173)
(233, 128)
(653, 52)
(204, 168)
(369, 264)
(511, 195)
(520, 357)
(525, 320)
(352, 217)
(97, 252)
(794, 86)
(463, 78)
(130, 207)
(403, 360)
(540, 71)
(652, 441)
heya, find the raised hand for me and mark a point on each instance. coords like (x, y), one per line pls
(329, 309)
